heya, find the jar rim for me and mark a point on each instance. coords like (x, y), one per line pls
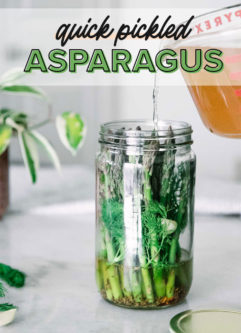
(128, 128)
(137, 132)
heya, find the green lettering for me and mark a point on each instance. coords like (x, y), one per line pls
(53, 56)
(124, 61)
(171, 64)
(35, 61)
(198, 61)
(98, 61)
(218, 62)
(144, 61)
(74, 59)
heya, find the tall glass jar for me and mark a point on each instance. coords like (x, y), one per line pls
(144, 213)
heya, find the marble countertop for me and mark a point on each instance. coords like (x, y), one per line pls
(56, 249)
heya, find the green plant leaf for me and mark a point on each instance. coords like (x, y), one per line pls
(29, 153)
(10, 122)
(12, 76)
(71, 130)
(7, 306)
(13, 118)
(9, 82)
(44, 143)
(20, 119)
(22, 89)
(2, 290)
(5, 113)
(5, 136)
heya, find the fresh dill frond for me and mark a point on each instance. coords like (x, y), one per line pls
(113, 219)
(153, 237)
(11, 276)
(6, 307)
(112, 216)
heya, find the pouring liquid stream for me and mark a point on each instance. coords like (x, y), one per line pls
(155, 104)
(155, 96)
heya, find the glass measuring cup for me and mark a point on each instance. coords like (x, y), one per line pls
(217, 95)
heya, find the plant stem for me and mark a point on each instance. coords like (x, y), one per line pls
(172, 260)
(111, 269)
(109, 247)
(98, 275)
(114, 281)
(144, 270)
(106, 281)
(103, 251)
(46, 121)
(147, 186)
(173, 250)
(159, 281)
(136, 285)
(125, 283)
(147, 284)
(167, 170)
(181, 223)
(170, 284)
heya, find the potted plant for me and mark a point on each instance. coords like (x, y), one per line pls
(70, 127)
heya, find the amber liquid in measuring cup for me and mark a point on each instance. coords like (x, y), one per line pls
(218, 96)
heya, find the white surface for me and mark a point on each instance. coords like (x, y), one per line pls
(215, 196)
(60, 294)
(57, 253)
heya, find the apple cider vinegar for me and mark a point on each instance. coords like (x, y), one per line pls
(218, 95)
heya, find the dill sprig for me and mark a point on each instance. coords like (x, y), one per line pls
(112, 217)
(11, 276)
(6, 307)
(152, 227)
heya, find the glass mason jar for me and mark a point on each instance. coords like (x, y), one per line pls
(144, 207)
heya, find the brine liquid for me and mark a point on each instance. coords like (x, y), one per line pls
(125, 286)
(219, 108)
(218, 95)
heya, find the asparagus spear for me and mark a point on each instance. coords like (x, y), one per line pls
(168, 163)
(98, 275)
(152, 223)
(110, 271)
(167, 169)
(181, 218)
(106, 281)
(109, 217)
(125, 282)
(148, 165)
